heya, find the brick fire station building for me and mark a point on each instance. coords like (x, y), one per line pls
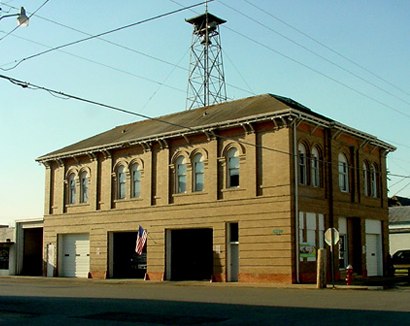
(238, 191)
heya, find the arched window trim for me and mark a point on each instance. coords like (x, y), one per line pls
(302, 163)
(136, 176)
(121, 181)
(198, 171)
(233, 167)
(343, 172)
(181, 174)
(84, 178)
(366, 179)
(71, 188)
(315, 166)
(225, 161)
(373, 180)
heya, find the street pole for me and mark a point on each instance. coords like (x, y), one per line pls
(332, 268)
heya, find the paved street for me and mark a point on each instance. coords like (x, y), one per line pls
(41, 301)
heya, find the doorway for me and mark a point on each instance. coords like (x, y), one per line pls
(233, 251)
(372, 255)
(190, 254)
(33, 252)
(126, 262)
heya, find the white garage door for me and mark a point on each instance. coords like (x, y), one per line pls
(75, 255)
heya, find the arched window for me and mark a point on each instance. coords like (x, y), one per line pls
(198, 172)
(315, 167)
(135, 181)
(302, 164)
(84, 187)
(121, 182)
(71, 189)
(233, 168)
(373, 180)
(366, 188)
(343, 169)
(180, 175)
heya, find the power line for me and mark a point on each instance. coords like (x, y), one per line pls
(116, 45)
(329, 48)
(18, 62)
(318, 72)
(399, 176)
(27, 85)
(126, 72)
(99, 38)
(94, 62)
(317, 54)
(401, 189)
(12, 31)
(64, 95)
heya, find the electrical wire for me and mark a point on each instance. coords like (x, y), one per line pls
(119, 46)
(329, 48)
(399, 176)
(101, 39)
(317, 54)
(401, 189)
(307, 66)
(12, 31)
(239, 73)
(319, 72)
(163, 83)
(18, 62)
(346, 58)
(126, 72)
(32, 86)
(63, 95)
(53, 93)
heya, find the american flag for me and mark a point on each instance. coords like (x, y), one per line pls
(141, 239)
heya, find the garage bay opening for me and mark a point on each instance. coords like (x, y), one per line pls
(126, 262)
(190, 254)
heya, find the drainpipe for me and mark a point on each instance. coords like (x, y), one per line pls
(296, 199)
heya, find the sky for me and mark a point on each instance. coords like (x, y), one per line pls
(345, 59)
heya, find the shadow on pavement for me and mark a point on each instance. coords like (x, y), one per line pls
(89, 311)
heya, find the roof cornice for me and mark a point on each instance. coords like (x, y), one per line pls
(313, 118)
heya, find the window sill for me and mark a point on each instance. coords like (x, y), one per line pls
(310, 186)
(233, 189)
(371, 197)
(185, 194)
(124, 200)
(77, 205)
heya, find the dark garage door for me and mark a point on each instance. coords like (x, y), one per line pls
(127, 264)
(191, 254)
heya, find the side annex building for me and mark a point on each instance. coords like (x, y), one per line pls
(239, 191)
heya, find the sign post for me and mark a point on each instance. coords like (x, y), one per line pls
(332, 237)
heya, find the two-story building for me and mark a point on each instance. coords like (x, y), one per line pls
(238, 191)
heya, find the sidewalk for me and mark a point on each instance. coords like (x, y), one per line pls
(388, 282)
(372, 283)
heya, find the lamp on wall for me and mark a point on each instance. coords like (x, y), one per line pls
(22, 18)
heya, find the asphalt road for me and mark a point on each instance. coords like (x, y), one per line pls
(42, 301)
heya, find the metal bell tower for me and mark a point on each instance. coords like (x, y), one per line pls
(206, 81)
